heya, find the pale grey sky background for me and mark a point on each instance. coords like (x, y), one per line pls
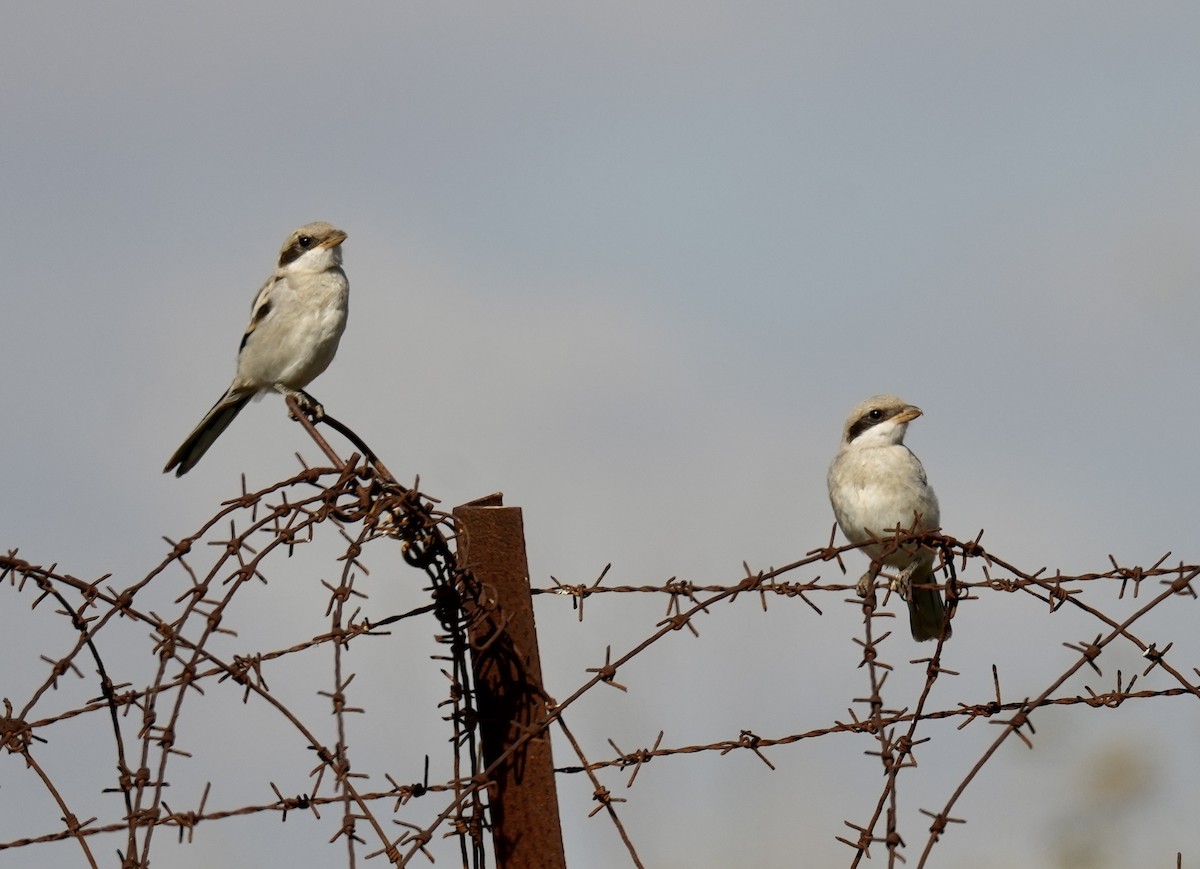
(632, 264)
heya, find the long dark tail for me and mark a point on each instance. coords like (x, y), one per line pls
(926, 612)
(215, 421)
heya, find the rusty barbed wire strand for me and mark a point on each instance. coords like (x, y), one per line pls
(601, 794)
(892, 752)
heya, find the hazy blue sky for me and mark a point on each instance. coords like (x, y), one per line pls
(632, 264)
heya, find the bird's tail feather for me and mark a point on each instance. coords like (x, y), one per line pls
(215, 421)
(926, 612)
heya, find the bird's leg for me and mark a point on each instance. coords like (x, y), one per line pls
(866, 581)
(902, 583)
(309, 404)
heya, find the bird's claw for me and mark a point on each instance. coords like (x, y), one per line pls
(307, 403)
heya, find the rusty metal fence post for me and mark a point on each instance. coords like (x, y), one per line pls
(526, 832)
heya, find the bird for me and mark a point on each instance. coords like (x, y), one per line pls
(296, 322)
(876, 486)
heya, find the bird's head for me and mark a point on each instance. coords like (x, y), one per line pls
(879, 421)
(314, 247)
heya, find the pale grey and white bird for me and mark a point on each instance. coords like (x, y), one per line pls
(877, 485)
(296, 323)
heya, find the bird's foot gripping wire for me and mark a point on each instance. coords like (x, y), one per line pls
(900, 583)
(307, 403)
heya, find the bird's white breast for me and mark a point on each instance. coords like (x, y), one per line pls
(878, 489)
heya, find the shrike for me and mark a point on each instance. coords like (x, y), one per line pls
(295, 324)
(877, 485)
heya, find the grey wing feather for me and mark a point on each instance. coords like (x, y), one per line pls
(258, 310)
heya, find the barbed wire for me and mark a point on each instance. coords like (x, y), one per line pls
(895, 729)
(359, 500)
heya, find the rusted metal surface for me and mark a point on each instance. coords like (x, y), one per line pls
(510, 698)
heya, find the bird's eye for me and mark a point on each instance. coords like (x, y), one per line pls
(875, 414)
(305, 241)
